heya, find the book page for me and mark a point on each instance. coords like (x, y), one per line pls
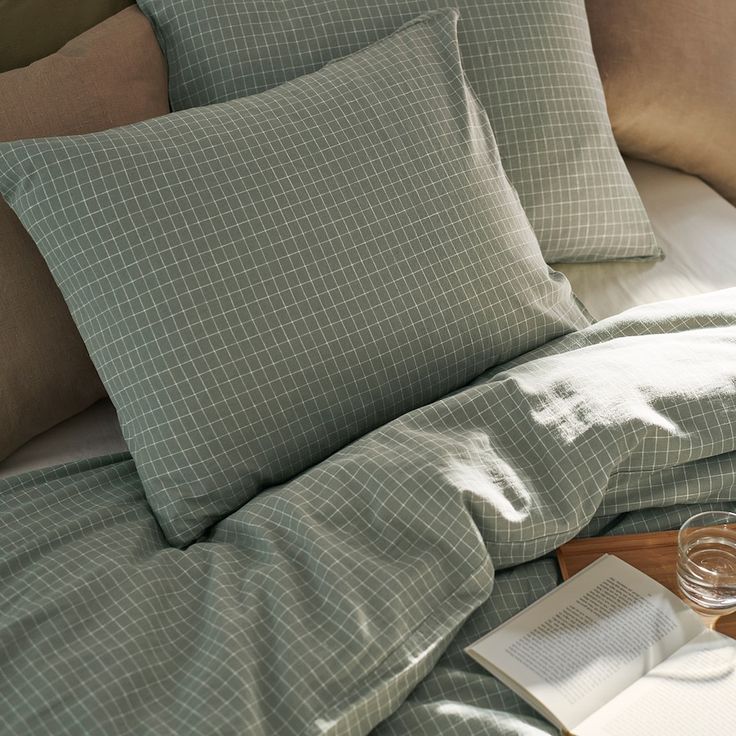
(586, 641)
(691, 692)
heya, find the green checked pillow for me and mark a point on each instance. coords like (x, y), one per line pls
(260, 282)
(530, 62)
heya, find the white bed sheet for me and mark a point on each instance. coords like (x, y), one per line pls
(94, 432)
(696, 228)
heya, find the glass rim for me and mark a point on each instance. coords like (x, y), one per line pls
(724, 514)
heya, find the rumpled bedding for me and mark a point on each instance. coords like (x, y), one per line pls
(340, 602)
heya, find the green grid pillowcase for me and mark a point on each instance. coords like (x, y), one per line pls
(261, 281)
(530, 62)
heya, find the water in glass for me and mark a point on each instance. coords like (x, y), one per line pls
(706, 564)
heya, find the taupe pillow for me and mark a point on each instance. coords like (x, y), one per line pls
(32, 29)
(669, 75)
(111, 75)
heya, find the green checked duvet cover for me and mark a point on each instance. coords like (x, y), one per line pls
(340, 602)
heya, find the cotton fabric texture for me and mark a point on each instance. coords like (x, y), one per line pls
(111, 75)
(669, 74)
(530, 62)
(333, 602)
(262, 281)
(32, 29)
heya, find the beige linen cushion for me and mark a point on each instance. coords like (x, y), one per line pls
(111, 75)
(32, 29)
(669, 75)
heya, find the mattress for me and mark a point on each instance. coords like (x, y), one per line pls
(695, 226)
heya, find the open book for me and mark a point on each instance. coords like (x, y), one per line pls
(610, 652)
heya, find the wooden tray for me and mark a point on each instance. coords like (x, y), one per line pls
(654, 554)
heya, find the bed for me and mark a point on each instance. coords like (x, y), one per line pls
(338, 598)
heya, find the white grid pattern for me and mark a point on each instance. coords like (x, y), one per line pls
(261, 281)
(319, 606)
(530, 62)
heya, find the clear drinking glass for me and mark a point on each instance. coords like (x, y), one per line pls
(706, 564)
